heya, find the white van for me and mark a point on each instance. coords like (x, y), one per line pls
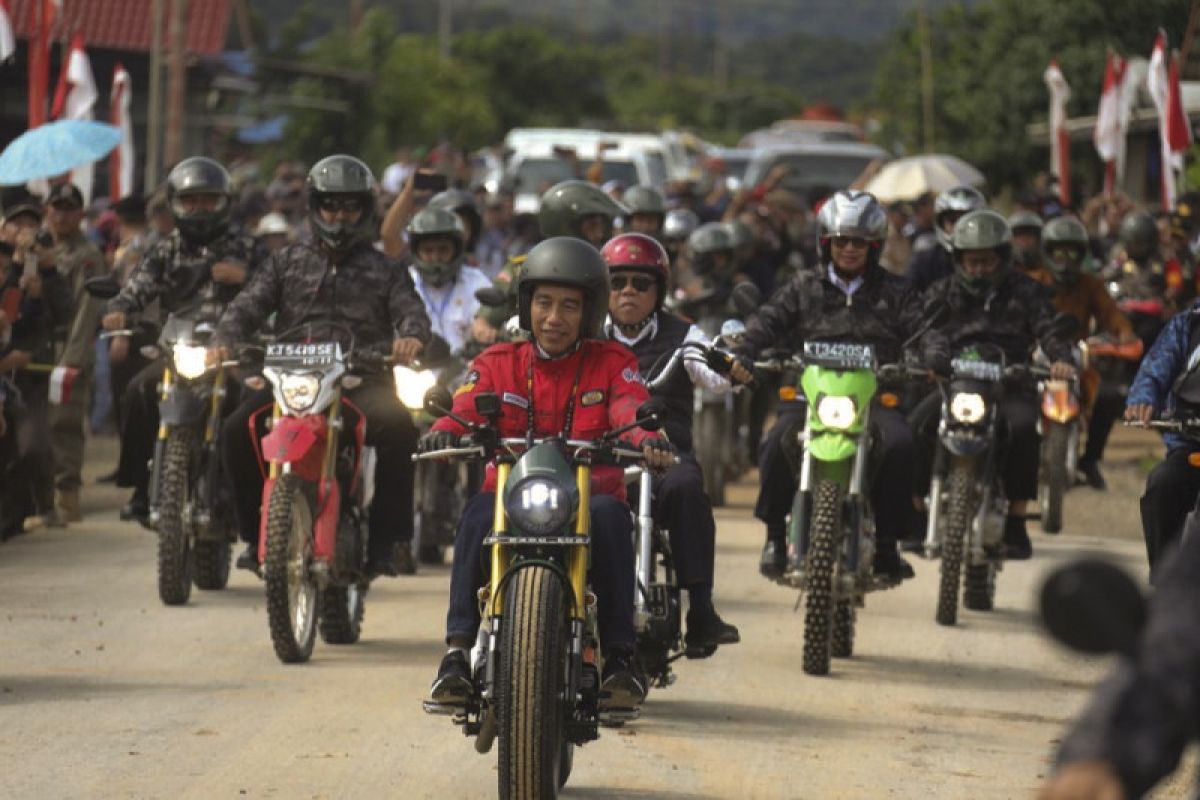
(817, 167)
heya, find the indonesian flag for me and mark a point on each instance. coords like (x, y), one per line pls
(46, 12)
(8, 44)
(1060, 141)
(1174, 131)
(120, 164)
(62, 381)
(75, 98)
(1109, 136)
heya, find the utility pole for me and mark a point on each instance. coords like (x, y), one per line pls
(721, 54)
(176, 84)
(926, 78)
(445, 27)
(1189, 36)
(154, 107)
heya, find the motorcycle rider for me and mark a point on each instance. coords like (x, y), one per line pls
(568, 381)
(931, 264)
(1064, 249)
(1027, 231)
(340, 278)
(463, 204)
(646, 211)
(1146, 285)
(447, 286)
(677, 227)
(851, 299)
(204, 249)
(639, 271)
(988, 302)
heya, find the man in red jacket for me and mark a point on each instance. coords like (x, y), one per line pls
(570, 382)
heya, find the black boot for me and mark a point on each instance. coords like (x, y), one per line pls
(774, 552)
(452, 686)
(1092, 476)
(706, 631)
(138, 507)
(889, 564)
(248, 558)
(1017, 546)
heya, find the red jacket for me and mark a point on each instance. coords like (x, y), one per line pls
(610, 391)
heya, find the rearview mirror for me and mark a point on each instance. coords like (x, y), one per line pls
(437, 401)
(1094, 607)
(487, 405)
(102, 287)
(491, 296)
(651, 413)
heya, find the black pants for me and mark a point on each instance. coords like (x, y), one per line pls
(1171, 492)
(891, 473)
(682, 507)
(119, 377)
(1108, 408)
(1019, 443)
(390, 431)
(611, 569)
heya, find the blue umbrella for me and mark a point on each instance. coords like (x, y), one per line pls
(56, 148)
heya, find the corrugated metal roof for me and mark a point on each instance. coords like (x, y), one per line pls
(126, 24)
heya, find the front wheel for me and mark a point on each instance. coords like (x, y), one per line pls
(820, 563)
(342, 609)
(291, 591)
(174, 529)
(530, 685)
(1054, 477)
(959, 509)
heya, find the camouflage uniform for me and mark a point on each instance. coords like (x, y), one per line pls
(506, 282)
(77, 260)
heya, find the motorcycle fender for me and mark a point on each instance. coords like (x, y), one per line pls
(182, 407)
(832, 446)
(961, 444)
(329, 507)
(295, 440)
(1059, 405)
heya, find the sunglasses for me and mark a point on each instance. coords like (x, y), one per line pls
(1072, 254)
(336, 204)
(850, 241)
(640, 283)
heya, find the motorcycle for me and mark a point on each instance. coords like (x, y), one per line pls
(831, 530)
(190, 502)
(536, 664)
(313, 536)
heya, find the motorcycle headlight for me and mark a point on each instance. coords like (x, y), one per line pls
(411, 386)
(189, 360)
(837, 413)
(968, 407)
(539, 506)
(299, 390)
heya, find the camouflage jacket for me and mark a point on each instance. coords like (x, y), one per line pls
(369, 293)
(174, 271)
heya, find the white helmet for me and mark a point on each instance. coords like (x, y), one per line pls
(852, 213)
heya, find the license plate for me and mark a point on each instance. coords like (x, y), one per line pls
(976, 370)
(286, 355)
(839, 355)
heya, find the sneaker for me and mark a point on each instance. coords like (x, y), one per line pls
(774, 559)
(624, 684)
(67, 501)
(404, 563)
(248, 558)
(1017, 546)
(706, 630)
(889, 564)
(452, 686)
(1092, 476)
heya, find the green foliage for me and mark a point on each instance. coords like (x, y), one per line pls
(988, 64)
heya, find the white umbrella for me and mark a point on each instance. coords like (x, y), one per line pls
(906, 178)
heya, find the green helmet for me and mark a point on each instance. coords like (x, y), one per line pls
(433, 223)
(1066, 237)
(566, 261)
(1139, 235)
(462, 203)
(706, 243)
(565, 205)
(341, 175)
(983, 229)
(644, 200)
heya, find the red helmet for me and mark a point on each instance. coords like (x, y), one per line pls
(637, 251)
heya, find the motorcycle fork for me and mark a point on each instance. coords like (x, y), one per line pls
(854, 505)
(160, 442)
(501, 557)
(212, 432)
(577, 559)
(645, 552)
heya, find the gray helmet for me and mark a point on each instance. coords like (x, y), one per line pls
(341, 175)
(1025, 219)
(644, 200)
(705, 243)
(1026, 222)
(200, 175)
(1139, 235)
(1064, 232)
(982, 230)
(565, 205)
(566, 261)
(958, 200)
(431, 223)
(679, 224)
(462, 203)
(740, 234)
(852, 213)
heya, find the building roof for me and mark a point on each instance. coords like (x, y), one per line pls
(126, 24)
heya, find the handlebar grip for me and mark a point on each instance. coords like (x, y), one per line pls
(450, 452)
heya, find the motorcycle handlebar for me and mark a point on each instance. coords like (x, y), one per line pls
(451, 452)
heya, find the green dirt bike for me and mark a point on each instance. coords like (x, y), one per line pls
(831, 532)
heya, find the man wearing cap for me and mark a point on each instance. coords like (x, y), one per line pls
(77, 260)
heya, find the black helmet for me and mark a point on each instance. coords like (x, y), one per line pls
(1067, 237)
(461, 203)
(1139, 235)
(432, 223)
(566, 261)
(959, 200)
(341, 175)
(982, 230)
(565, 205)
(200, 175)
(644, 200)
